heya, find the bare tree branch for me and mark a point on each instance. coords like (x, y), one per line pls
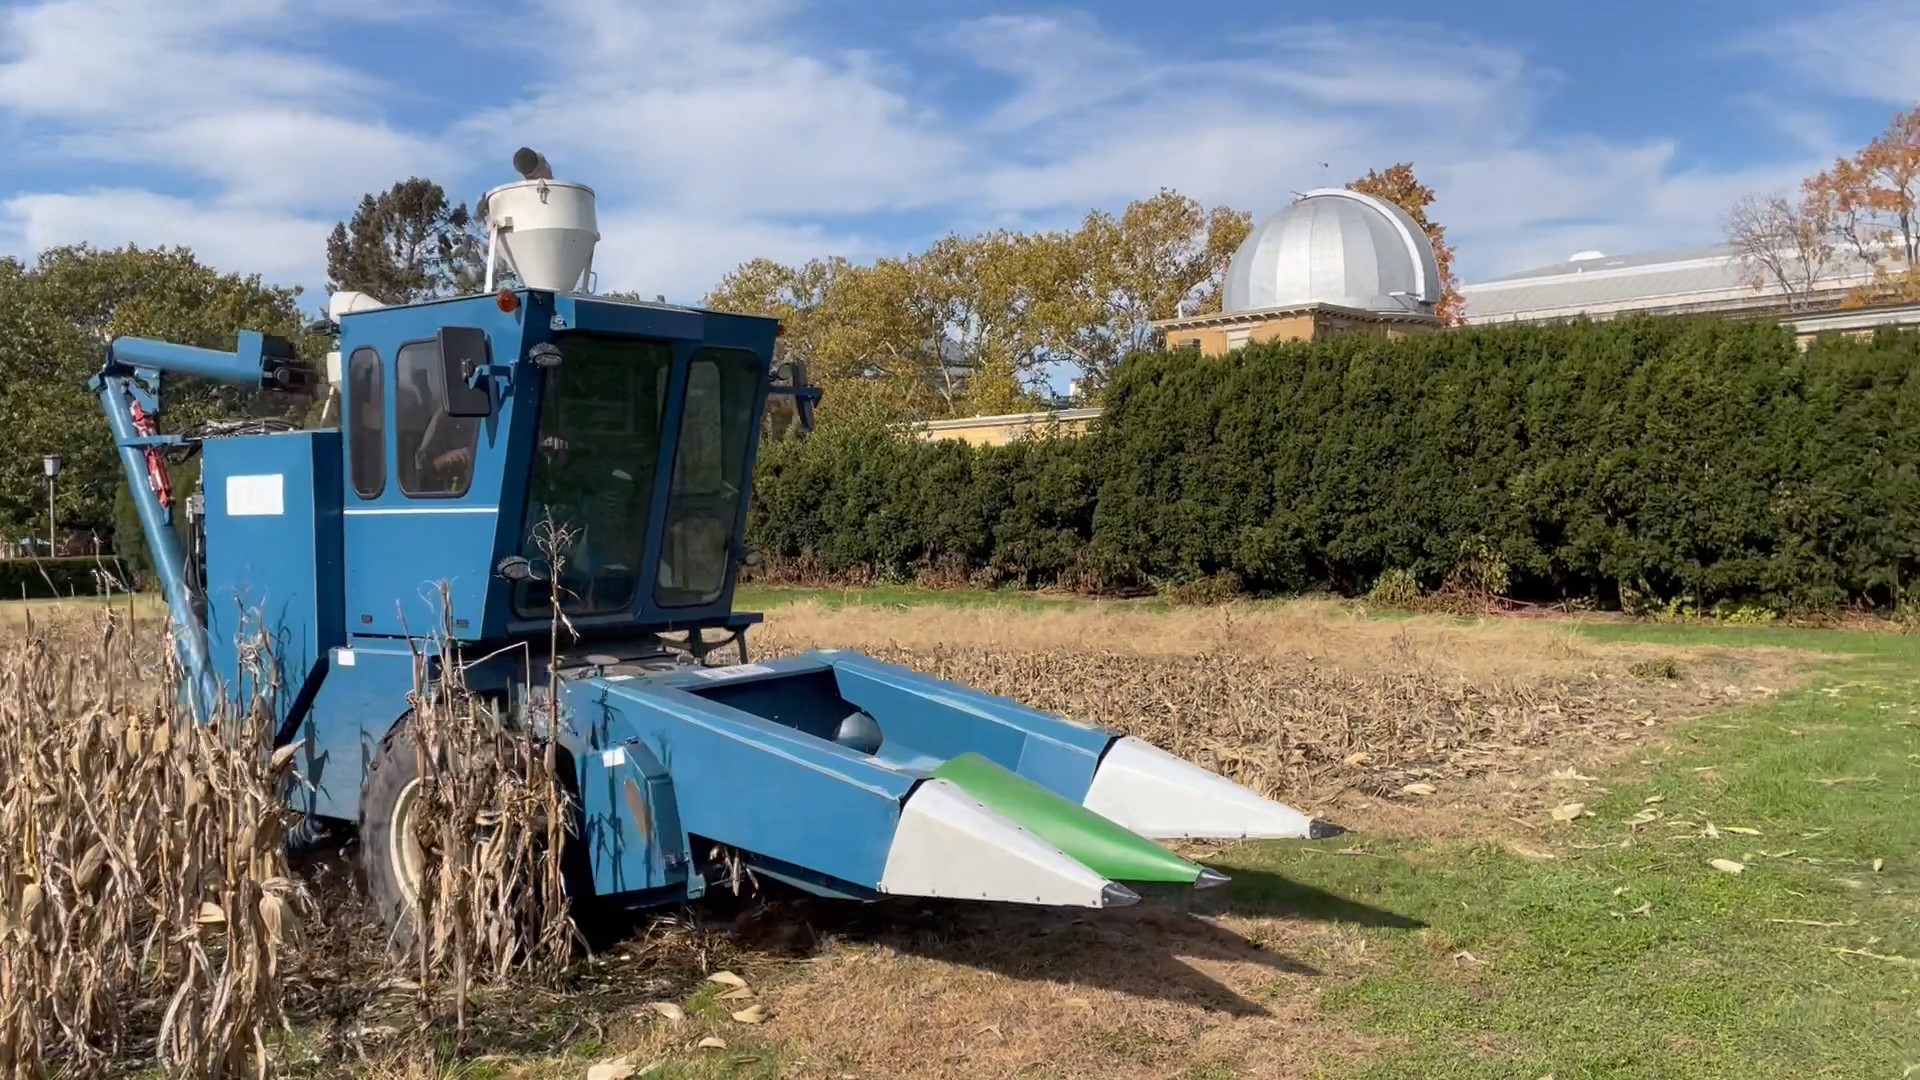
(1783, 245)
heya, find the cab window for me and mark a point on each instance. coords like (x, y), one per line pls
(434, 451)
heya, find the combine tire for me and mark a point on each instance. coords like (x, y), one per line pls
(389, 860)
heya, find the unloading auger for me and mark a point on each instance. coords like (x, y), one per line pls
(462, 426)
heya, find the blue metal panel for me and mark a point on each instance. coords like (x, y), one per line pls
(661, 321)
(632, 831)
(244, 364)
(273, 559)
(946, 719)
(363, 692)
(751, 783)
(400, 549)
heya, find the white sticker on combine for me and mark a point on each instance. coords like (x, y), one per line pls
(614, 758)
(733, 672)
(256, 496)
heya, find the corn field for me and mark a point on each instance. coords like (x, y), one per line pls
(147, 906)
(145, 900)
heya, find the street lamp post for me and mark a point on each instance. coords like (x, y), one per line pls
(51, 463)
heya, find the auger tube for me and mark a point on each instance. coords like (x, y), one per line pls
(131, 376)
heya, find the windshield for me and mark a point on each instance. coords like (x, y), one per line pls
(709, 477)
(593, 470)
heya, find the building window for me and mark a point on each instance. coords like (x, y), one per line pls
(434, 451)
(367, 424)
(1238, 336)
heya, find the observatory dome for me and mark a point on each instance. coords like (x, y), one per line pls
(1334, 246)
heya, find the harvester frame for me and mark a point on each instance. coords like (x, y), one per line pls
(420, 521)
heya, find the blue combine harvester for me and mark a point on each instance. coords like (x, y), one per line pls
(464, 424)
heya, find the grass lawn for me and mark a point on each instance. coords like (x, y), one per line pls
(1629, 953)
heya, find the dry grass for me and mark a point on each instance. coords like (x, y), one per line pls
(1309, 703)
(147, 906)
(491, 803)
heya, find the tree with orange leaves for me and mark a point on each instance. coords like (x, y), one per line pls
(1400, 187)
(1870, 205)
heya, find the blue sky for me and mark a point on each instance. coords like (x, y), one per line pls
(718, 130)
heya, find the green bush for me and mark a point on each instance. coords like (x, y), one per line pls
(1642, 461)
(866, 503)
(42, 579)
(1669, 457)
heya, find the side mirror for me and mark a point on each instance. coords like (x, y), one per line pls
(751, 558)
(463, 353)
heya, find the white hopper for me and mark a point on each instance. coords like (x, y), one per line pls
(546, 228)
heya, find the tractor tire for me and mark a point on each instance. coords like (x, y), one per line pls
(382, 856)
(390, 780)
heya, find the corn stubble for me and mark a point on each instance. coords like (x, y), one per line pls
(146, 905)
(1286, 724)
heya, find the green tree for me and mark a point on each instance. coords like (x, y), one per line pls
(975, 323)
(1138, 267)
(56, 318)
(871, 326)
(408, 243)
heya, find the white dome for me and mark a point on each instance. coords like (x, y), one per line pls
(1335, 246)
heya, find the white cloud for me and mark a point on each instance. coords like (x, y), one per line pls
(682, 257)
(712, 108)
(214, 92)
(1867, 49)
(1318, 104)
(716, 130)
(135, 63)
(278, 246)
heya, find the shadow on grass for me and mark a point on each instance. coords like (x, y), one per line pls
(1141, 950)
(1265, 894)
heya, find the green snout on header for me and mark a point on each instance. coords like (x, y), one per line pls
(1107, 849)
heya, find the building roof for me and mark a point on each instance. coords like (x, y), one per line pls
(1259, 315)
(1339, 247)
(1707, 278)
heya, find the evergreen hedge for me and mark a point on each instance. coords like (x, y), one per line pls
(43, 579)
(1665, 460)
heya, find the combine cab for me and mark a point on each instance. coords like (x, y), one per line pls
(468, 428)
